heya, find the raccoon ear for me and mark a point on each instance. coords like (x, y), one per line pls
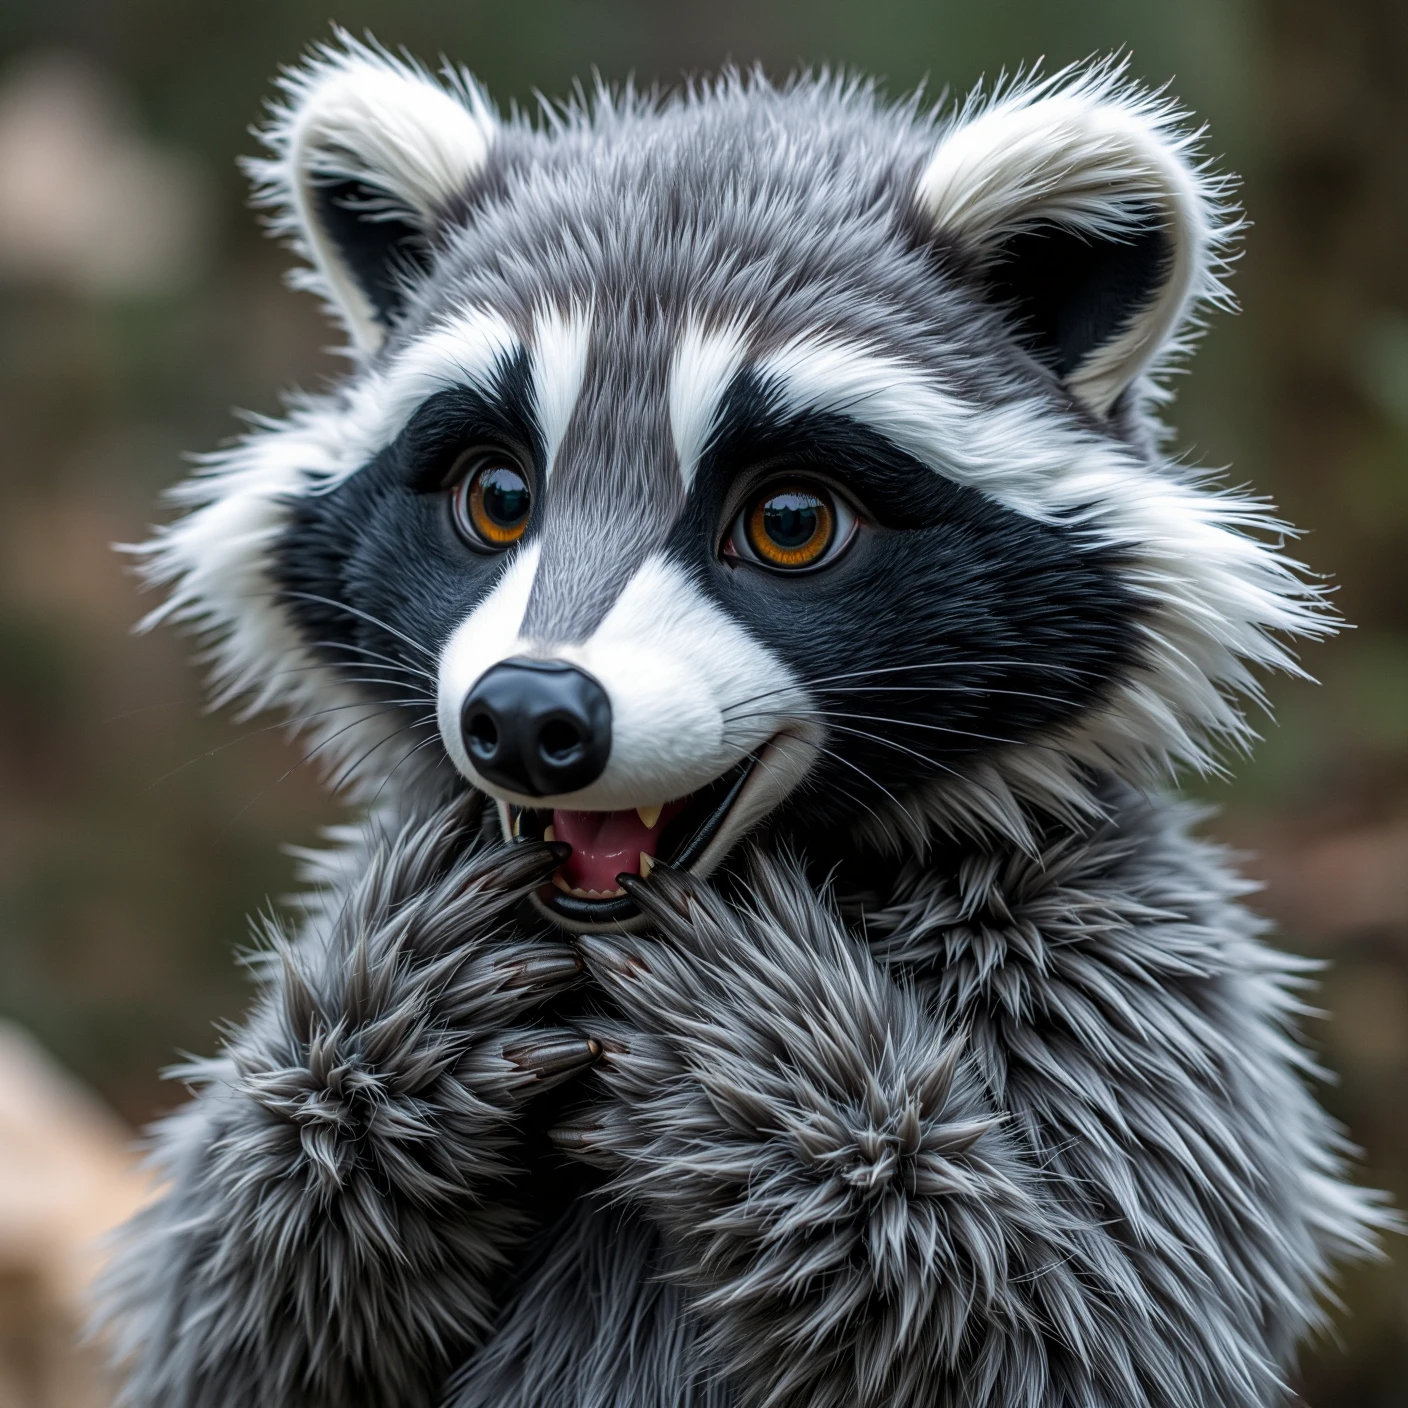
(1089, 217)
(368, 156)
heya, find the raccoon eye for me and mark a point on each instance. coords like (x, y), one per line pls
(491, 500)
(790, 526)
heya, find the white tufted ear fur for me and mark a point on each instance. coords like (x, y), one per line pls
(1083, 200)
(367, 153)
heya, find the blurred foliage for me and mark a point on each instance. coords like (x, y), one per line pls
(136, 833)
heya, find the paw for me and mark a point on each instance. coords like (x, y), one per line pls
(766, 1070)
(411, 1019)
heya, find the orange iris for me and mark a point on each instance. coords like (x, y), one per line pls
(497, 502)
(790, 526)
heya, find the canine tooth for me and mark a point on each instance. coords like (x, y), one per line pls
(648, 815)
(563, 885)
(549, 834)
(647, 864)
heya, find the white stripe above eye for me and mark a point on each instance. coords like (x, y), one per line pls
(560, 343)
(467, 349)
(706, 360)
(996, 448)
(1024, 451)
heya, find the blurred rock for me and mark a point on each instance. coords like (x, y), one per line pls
(85, 201)
(67, 1176)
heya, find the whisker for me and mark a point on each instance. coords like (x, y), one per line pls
(351, 679)
(881, 719)
(345, 679)
(424, 743)
(389, 660)
(352, 767)
(364, 615)
(391, 684)
(268, 728)
(981, 691)
(146, 709)
(1046, 667)
(889, 742)
(871, 673)
(865, 776)
(848, 793)
(809, 783)
(899, 747)
(969, 781)
(313, 753)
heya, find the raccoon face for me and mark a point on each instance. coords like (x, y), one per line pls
(762, 459)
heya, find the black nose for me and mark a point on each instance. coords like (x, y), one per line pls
(538, 727)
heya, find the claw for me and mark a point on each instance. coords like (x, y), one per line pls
(543, 970)
(574, 1136)
(518, 865)
(580, 1138)
(554, 1056)
(672, 892)
(612, 1045)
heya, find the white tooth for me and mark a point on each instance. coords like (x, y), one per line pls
(647, 864)
(562, 884)
(648, 815)
(549, 834)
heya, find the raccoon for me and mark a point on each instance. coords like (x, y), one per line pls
(742, 589)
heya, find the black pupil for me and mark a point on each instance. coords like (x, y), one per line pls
(505, 496)
(791, 520)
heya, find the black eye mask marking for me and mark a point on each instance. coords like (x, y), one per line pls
(950, 626)
(372, 573)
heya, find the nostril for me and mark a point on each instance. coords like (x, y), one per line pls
(560, 740)
(483, 735)
(536, 727)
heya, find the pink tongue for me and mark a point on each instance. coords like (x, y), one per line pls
(606, 844)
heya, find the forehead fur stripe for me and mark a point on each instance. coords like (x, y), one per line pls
(705, 362)
(561, 340)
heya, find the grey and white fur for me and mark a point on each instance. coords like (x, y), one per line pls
(949, 1068)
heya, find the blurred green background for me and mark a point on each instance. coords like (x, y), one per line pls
(138, 304)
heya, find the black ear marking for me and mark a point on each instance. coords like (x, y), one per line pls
(1072, 292)
(378, 242)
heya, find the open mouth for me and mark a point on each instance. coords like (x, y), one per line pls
(608, 844)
